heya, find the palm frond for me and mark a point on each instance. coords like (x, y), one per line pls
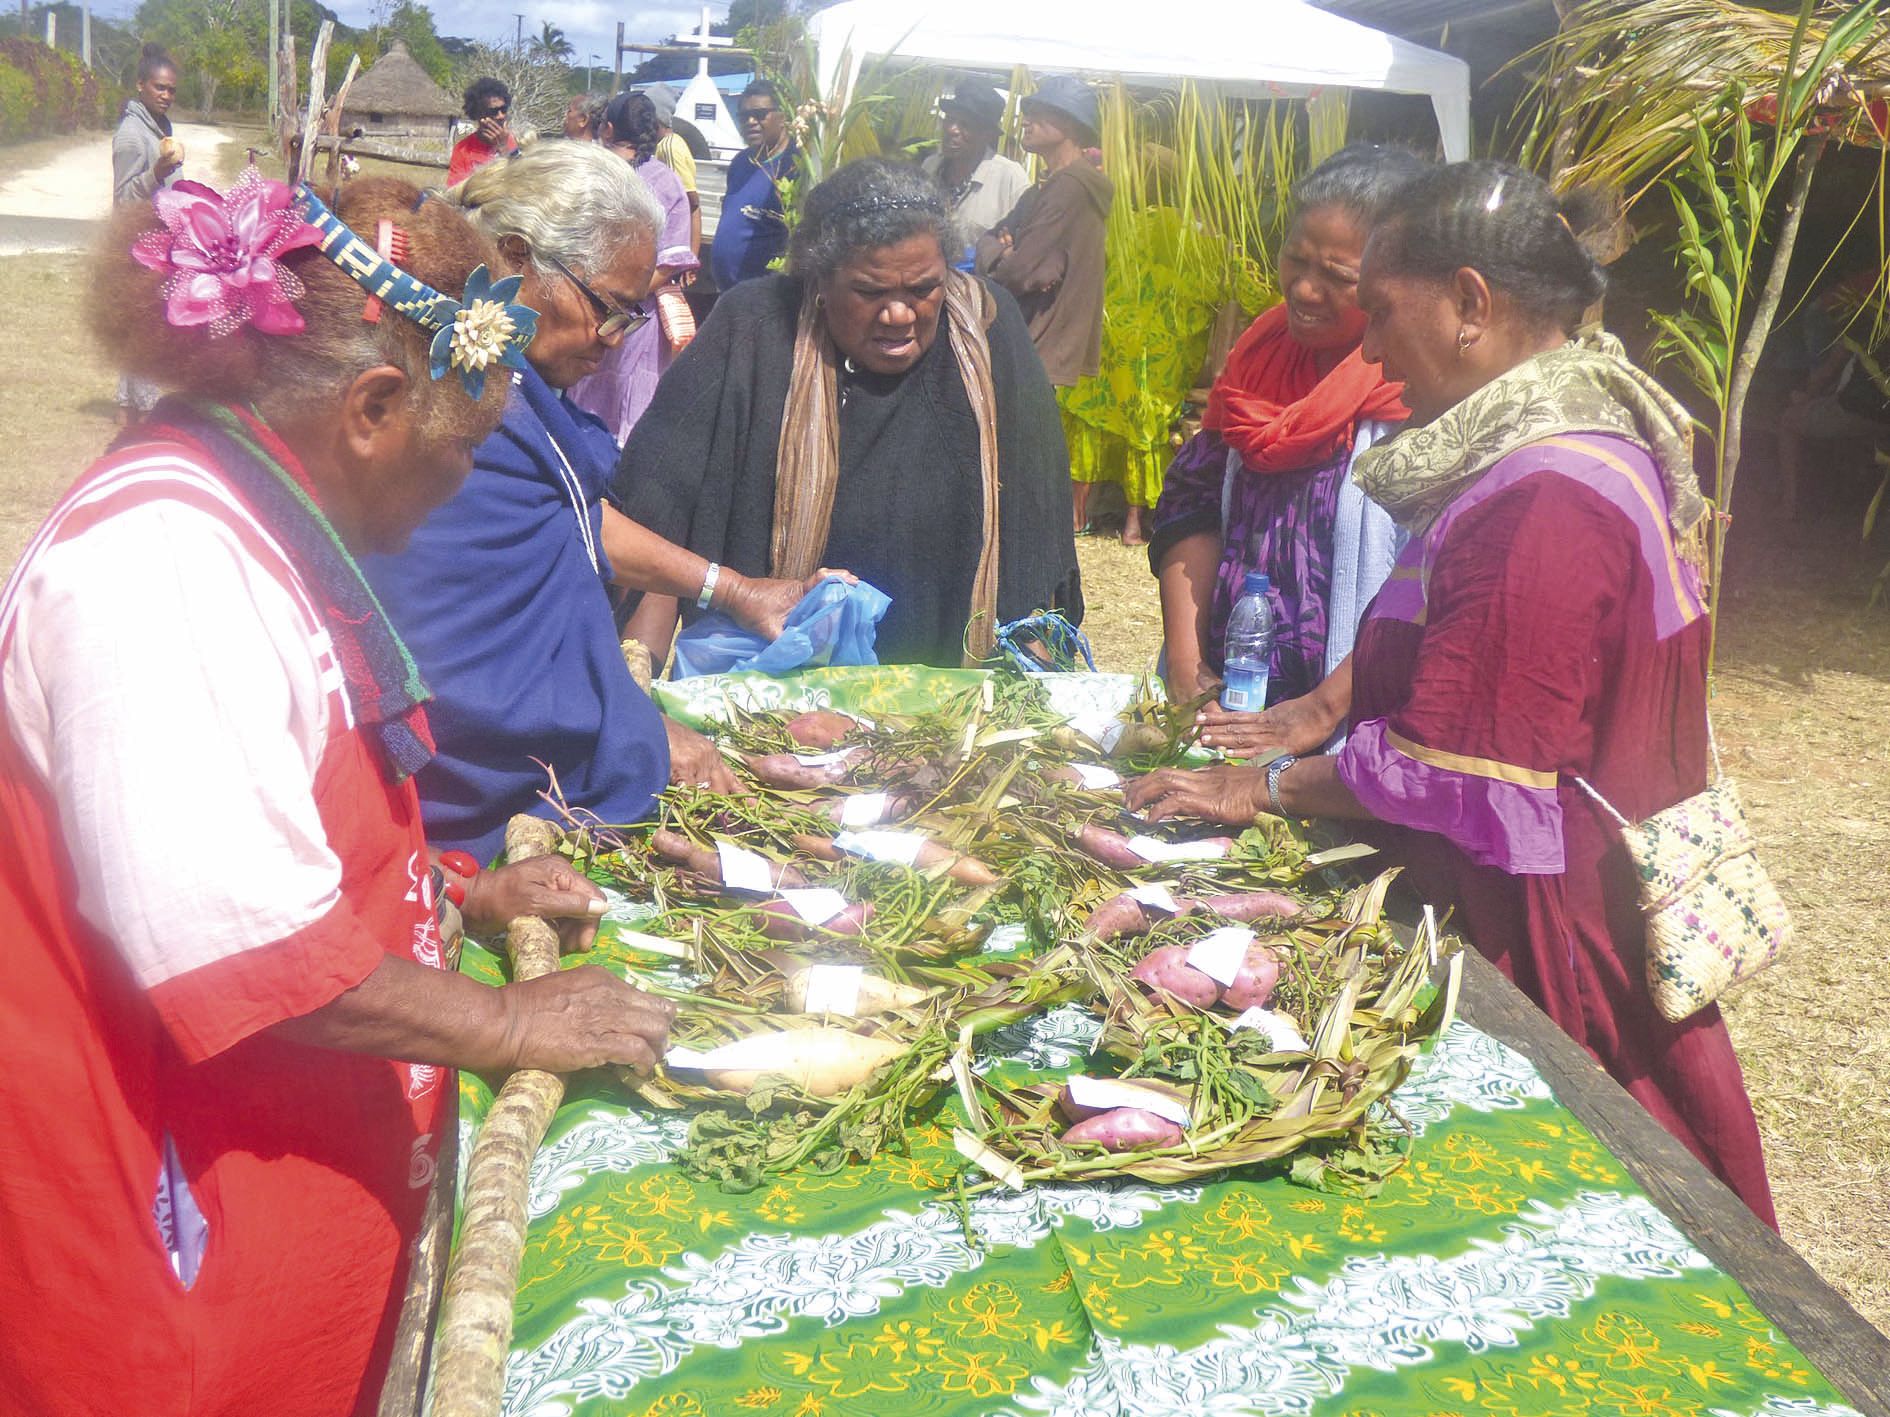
(1623, 85)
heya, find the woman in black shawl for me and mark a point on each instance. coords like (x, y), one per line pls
(873, 409)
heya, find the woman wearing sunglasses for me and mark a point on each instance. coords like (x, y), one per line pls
(502, 594)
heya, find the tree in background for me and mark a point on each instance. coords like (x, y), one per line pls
(217, 44)
(550, 43)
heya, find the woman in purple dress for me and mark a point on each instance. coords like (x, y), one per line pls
(626, 381)
(1265, 485)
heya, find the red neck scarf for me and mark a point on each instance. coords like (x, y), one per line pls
(1274, 409)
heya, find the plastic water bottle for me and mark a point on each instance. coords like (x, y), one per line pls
(1249, 647)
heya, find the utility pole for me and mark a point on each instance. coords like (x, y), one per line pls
(275, 62)
(617, 80)
(590, 71)
(85, 34)
(518, 44)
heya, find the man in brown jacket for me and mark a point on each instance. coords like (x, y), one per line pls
(1049, 251)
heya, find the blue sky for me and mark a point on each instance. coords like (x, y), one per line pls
(590, 24)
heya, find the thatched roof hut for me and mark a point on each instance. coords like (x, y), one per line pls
(396, 97)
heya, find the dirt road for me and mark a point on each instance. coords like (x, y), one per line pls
(57, 206)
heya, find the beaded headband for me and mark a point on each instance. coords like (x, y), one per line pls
(483, 328)
(888, 204)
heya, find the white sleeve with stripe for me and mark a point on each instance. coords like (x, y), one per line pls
(168, 687)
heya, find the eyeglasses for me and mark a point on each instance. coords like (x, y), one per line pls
(757, 114)
(498, 110)
(612, 320)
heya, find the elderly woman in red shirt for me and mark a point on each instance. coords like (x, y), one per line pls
(230, 1029)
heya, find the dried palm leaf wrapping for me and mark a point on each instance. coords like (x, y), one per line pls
(995, 777)
(1350, 982)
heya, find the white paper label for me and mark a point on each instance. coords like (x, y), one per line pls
(900, 848)
(834, 988)
(757, 1051)
(1278, 1028)
(1103, 729)
(744, 870)
(815, 904)
(1008, 937)
(1096, 777)
(1157, 896)
(864, 809)
(824, 760)
(1167, 852)
(1106, 1094)
(1220, 953)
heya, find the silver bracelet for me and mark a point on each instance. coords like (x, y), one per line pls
(1275, 771)
(713, 575)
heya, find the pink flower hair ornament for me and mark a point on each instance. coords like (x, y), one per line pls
(222, 254)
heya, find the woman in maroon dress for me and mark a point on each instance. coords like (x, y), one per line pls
(1545, 624)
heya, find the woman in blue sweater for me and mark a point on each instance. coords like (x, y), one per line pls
(503, 595)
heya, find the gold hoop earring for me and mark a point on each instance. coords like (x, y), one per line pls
(1463, 343)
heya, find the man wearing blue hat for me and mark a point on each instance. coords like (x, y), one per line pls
(1048, 252)
(981, 185)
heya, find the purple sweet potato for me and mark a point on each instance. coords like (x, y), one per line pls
(820, 728)
(1167, 969)
(1109, 847)
(679, 850)
(790, 774)
(1253, 985)
(781, 921)
(1125, 1129)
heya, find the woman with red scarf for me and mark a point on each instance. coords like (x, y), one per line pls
(1265, 486)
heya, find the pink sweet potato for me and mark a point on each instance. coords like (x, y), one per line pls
(1258, 975)
(1167, 969)
(1109, 847)
(1125, 1129)
(1248, 906)
(1119, 915)
(820, 728)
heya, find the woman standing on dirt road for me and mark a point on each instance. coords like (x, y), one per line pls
(229, 1029)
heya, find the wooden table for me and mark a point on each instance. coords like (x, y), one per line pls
(1851, 1354)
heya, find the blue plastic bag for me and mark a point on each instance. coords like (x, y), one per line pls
(834, 623)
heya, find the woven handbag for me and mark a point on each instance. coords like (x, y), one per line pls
(1714, 918)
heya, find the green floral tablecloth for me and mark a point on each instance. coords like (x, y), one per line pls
(1511, 1269)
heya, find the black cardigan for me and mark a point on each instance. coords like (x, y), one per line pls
(699, 469)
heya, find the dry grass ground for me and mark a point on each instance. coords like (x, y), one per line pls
(1802, 710)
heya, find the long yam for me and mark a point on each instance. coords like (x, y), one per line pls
(475, 1328)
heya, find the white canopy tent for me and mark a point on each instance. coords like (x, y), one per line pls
(1253, 48)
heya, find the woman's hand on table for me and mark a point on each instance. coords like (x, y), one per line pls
(583, 1018)
(545, 886)
(1235, 796)
(762, 604)
(694, 761)
(1296, 726)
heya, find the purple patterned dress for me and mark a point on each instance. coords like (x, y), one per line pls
(625, 382)
(1285, 525)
